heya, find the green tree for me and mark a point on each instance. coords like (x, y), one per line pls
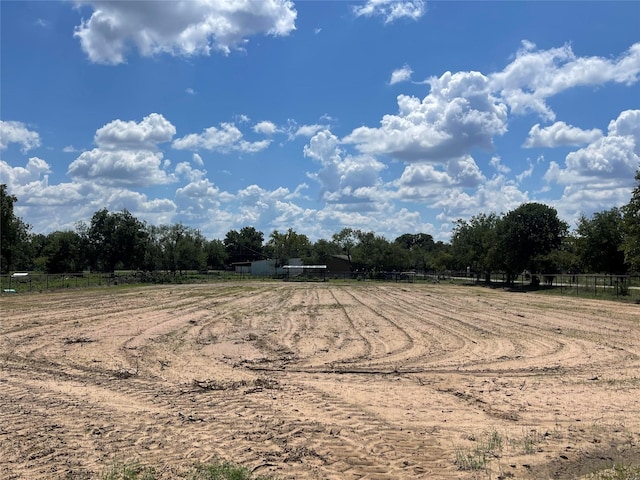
(38, 243)
(14, 235)
(419, 248)
(245, 245)
(181, 248)
(346, 239)
(526, 235)
(288, 245)
(191, 254)
(116, 240)
(321, 251)
(394, 257)
(442, 257)
(631, 242)
(368, 251)
(600, 242)
(474, 244)
(563, 259)
(63, 252)
(216, 254)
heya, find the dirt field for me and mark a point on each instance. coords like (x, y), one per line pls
(318, 381)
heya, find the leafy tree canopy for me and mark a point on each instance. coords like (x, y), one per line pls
(600, 242)
(631, 243)
(526, 234)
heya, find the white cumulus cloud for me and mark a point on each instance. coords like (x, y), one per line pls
(265, 127)
(127, 154)
(560, 134)
(146, 134)
(17, 132)
(401, 75)
(343, 178)
(193, 27)
(615, 156)
(34, 171)
(459, 113)
(227, 138)
(392, 10)
(535, 75)
(308, 130)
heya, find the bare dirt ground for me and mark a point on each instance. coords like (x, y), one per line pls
(318, 381)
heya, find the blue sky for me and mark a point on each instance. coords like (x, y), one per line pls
(385, 116)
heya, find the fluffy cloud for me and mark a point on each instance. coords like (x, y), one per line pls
(197, 159)
(534, 76)
(17, 132)
(601, 174)
(459, 114)
(627, 123)
(392, 10)
(127, 154)
(152, 130)
(401, 75)
(198, 198)
(34, 171)
(610, 157)
(420, 181)
(194, 27)
(120, 167)
(343, 178)
(57, 207)
(616, 156)
(497, 195)
(227, 138)
(265, 128)
(308, 130)
(496, 162)
(560, 134)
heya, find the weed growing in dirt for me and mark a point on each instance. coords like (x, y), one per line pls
(488, 445)
(467, 459)
(224, 471)
(128, 471)
(528, 442)
(214, 471)
(617, 472)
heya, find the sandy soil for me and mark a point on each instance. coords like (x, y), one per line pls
(318, 381)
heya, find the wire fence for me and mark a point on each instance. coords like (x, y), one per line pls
(621, 287)
(40, 282)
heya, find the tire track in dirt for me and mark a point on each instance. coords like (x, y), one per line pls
(487, 334)
(398, 340)
(120, 420)
(363, 439)
(200, 388)
(534, 334)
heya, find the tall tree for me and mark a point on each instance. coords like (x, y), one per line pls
(321, 252)
(346, 239)
(116, 239)
(14, 235)
(419, 248)
(631, 243)
(526, 234)
(600, 242)
(245, 245)
(63, 252)
(216, 254)
(181, 248)
(474, 244)
(287, 245)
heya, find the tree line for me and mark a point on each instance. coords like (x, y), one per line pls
(531, 237)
